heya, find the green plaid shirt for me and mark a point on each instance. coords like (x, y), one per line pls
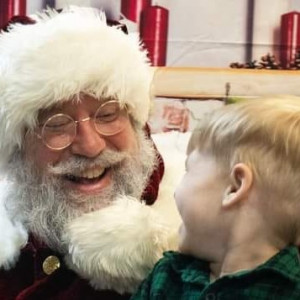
(177, 276)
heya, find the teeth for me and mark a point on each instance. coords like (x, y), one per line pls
(91, 173)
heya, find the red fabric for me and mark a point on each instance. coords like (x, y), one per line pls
(151, 191)
(27, 281)
(18, 19)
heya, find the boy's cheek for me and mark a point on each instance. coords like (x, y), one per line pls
(183, 240)
(178, 197)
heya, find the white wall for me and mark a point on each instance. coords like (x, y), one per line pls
(203, 32)
(35, 5)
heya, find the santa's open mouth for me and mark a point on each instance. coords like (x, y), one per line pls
(88, 176)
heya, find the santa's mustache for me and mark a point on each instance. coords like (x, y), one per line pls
(107, 159)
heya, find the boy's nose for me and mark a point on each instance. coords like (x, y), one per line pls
(88, 142)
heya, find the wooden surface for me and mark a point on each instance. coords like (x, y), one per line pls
(204, 83)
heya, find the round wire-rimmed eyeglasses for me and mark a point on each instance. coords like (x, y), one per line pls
(59, 130)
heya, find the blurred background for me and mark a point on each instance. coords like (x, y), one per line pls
(184, 33)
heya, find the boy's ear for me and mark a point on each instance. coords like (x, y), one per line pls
(241, 179)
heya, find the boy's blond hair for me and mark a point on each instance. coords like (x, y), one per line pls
(262, 133)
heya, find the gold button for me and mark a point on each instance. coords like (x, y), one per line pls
(50, 264)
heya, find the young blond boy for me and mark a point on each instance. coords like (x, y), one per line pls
(240, 206)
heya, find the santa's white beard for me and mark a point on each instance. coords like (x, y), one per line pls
(41, 202)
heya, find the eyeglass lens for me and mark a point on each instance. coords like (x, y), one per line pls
(59, 131)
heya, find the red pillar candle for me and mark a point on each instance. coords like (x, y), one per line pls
(132, 9)
(19, 7)
(10, 8)
(290, 37)
(154, 33)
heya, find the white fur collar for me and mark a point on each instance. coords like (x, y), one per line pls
(116, 247)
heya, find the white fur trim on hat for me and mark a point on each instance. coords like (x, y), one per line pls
(61, 56)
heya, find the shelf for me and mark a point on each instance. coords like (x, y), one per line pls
(207, 83)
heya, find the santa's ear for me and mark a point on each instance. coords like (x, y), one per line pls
(241, 179)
